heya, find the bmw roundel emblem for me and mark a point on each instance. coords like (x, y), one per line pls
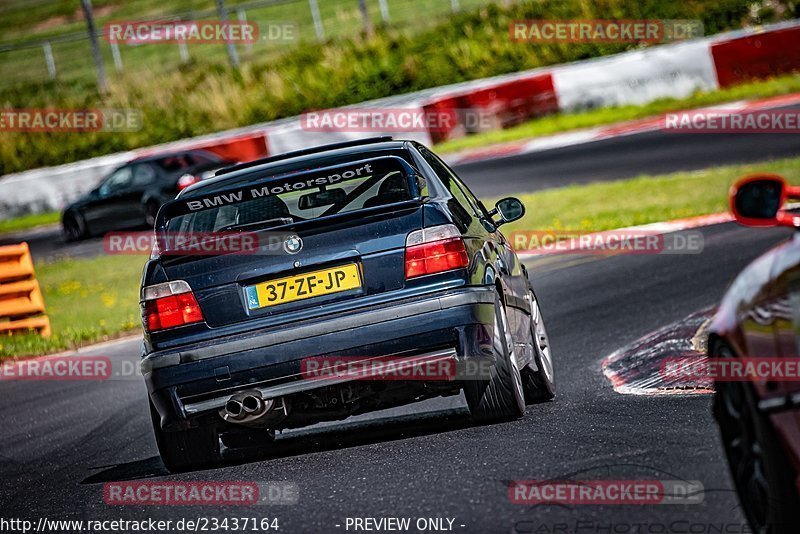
(293, 244)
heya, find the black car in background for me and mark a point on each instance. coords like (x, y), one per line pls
(384, 258)
(132, 194)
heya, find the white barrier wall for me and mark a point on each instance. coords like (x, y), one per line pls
(50, 188)
(637, 77)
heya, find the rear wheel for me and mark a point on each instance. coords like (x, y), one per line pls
(500, 398)
(150, 212)
(242, 439)
(74, 227)
(538, 381)
(185, 450)
(763, 475)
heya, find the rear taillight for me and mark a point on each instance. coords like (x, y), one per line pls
(186, 180)
(435, 250)
(169, 305)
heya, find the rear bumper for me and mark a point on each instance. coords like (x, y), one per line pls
(194, 381)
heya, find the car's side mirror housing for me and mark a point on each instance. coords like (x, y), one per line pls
(758, 200)
(509, 209)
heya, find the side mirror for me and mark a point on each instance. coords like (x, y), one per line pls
(758, 199)
(509, 209)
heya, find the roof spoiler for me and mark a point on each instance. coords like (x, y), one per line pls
(303, 152)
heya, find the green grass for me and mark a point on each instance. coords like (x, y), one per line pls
(641, 200)
(597, 117)
(27, 222)
(87, 300)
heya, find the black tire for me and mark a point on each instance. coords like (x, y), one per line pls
(186, 450)
(538, 382)
(245, 439)
(500, 398)
(74, 227)
(762, 474)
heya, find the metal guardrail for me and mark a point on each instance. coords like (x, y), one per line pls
(67, 57)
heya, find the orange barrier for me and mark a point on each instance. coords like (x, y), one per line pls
(21, 303)
(241, 148)
(15, 263)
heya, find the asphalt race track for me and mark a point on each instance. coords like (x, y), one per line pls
(655, 152)
(609, 159)
(63, 440)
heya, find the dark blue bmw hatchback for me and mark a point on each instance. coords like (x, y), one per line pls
(375, 279)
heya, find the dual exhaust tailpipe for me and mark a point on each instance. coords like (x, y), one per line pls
(249, 408)
(249, 405)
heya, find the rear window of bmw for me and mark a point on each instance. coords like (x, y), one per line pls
(289, 198)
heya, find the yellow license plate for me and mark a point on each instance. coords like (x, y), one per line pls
(303, 286)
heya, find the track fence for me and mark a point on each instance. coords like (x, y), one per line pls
(67, 56)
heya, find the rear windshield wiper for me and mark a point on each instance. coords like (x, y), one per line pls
(266, 222)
